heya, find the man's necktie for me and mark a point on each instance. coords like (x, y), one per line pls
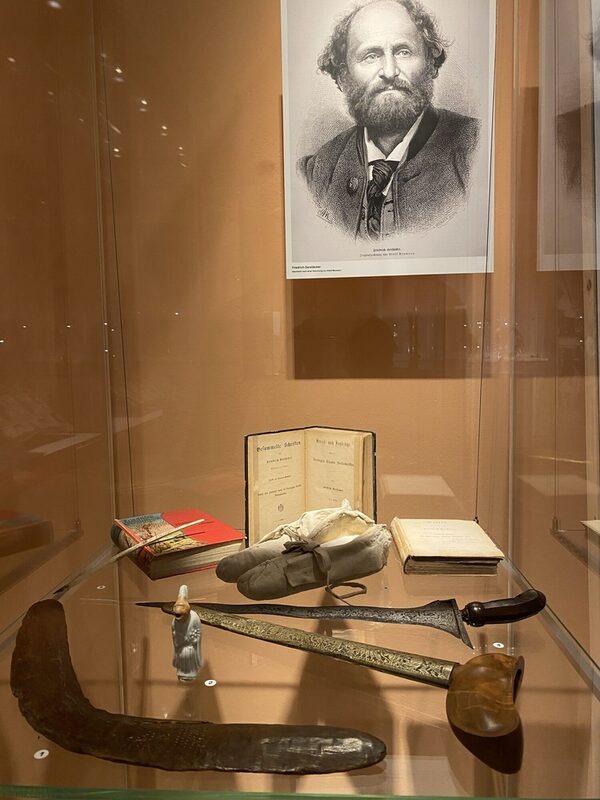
(382, 173)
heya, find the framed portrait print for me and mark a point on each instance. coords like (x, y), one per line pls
(387, 136)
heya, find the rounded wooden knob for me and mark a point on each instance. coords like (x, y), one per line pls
(482, 693)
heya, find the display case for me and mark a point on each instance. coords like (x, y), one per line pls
(148, 326)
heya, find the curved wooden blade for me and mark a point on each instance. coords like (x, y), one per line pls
(51, 700)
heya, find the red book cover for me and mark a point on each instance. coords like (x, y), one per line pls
(211, 531)
(183, 552)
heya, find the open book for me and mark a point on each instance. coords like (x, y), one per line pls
(293, 471)
(456, 546)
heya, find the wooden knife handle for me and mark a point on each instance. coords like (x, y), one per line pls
(509, 609)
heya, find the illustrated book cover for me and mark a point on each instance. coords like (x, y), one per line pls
(197, 547)
(292, 471)
(451, 546)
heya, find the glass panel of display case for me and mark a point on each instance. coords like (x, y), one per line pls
(55, 448)
(556, 442)
(216, 343)
(148, 326)
(243, 680)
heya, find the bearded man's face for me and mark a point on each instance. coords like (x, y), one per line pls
(389, 80)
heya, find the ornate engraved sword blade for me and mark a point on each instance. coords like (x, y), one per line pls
(432, 671)
(481, 693)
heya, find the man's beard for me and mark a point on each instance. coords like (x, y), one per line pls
(388, 112)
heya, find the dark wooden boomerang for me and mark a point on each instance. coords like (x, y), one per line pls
(51, 700)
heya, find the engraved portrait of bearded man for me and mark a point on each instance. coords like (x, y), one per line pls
(405, 164)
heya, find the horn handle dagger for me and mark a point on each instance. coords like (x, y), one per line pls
(440, 614)
(481, 693)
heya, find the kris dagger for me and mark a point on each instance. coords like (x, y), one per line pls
(445, 615)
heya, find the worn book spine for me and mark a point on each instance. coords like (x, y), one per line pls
(124, 539)
(399, 541)
(447, 566)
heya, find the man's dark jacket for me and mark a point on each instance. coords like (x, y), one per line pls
(426, 190)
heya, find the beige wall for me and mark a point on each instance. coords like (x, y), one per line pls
(216, 343)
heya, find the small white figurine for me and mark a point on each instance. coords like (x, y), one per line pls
(185, 627)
